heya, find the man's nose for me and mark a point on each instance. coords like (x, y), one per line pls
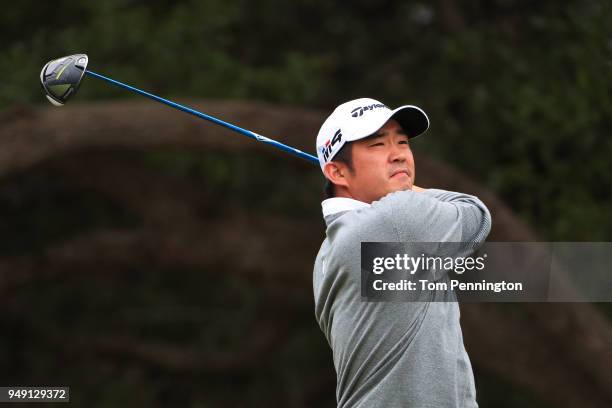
(397, 153)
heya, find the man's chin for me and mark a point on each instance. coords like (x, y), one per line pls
(401, 187)
(398, 188)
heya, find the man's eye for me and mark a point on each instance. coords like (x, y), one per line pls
(403, 142)
(376, 144)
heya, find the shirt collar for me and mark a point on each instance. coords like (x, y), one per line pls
(338, 204)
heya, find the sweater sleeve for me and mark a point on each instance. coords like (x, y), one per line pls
(436, 216)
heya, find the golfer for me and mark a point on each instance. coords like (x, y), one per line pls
(388, 354)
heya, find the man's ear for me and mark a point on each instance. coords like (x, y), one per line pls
(336, 173)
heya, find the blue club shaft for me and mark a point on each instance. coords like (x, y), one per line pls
(209, 118)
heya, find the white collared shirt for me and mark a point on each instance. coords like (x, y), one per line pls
(338, 204)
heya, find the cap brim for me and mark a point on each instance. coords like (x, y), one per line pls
(412, 119)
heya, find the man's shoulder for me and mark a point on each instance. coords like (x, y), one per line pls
(363, 224)
(348, 218)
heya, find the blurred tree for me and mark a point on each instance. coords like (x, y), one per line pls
(519, 96)
(518, 91)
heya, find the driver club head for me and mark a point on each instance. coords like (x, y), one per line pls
(60, 78)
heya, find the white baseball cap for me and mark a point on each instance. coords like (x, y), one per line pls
(360, 118)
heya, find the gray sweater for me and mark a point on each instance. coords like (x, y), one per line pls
(394, 354)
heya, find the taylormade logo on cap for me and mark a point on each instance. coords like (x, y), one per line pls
(360, 109)
(360, 118)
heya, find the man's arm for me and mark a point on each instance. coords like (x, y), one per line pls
(434, 215)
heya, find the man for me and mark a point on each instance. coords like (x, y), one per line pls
(388, 354)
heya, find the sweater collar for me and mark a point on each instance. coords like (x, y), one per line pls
(340, 204)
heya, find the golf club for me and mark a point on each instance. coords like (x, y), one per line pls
(61, 78)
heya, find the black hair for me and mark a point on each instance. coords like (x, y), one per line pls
(345, 155)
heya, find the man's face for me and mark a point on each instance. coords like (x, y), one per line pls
(382, 164)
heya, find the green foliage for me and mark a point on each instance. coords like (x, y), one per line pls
(196, 310)
(518, 92)
(40, 209)
(248, 180)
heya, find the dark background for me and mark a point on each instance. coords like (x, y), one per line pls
(151, 259)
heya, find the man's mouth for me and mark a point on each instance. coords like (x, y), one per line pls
(400, 172)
